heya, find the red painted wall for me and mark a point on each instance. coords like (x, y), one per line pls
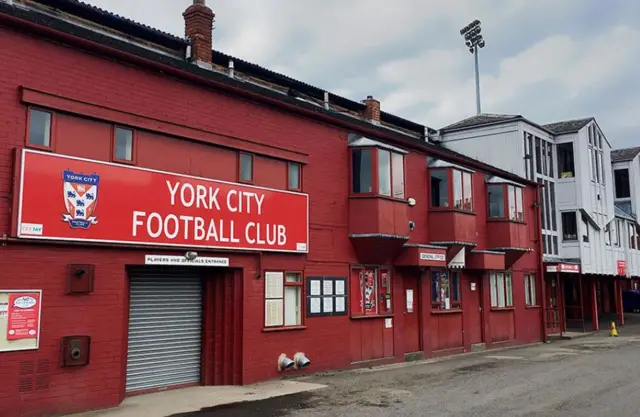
(103, 314)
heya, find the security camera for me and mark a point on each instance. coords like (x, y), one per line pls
(191, 255)
(412, 225)
(411, 202)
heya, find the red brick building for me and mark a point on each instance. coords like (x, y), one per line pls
(172, 217)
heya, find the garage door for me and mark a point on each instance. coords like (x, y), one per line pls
(165, 329)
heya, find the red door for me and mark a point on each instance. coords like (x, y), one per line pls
(411, 312)
(473, 311)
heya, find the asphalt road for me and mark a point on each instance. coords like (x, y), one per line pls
(595, 376)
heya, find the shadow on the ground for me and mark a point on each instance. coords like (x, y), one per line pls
(271, 407)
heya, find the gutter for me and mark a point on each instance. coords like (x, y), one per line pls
(238, 88)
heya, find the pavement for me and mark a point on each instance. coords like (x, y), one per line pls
(589, 376)
(593, 376)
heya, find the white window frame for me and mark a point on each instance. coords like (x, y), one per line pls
(277, 304)
(530, 290)
(501, 284)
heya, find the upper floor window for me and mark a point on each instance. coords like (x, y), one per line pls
(451, 188)
(122, 144)
(569, 226)
(566, 164)
(585, 228)
(634, 236)
(293, 176)
(513, 204)
(245, 168)
(39, 133)
(378, 171)
(445, 290)
(622, 186)
(595, 155)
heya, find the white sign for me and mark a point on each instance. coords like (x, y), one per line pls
(409, 297)
(181, 260)
(388, 323)
(473, 286)
(426, 256)
(31, 229)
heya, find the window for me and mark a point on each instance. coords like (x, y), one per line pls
(39, 128)
(621, 179)
(387, 178)
(439, 188)
(501, 290)
(585, 228)
(530, 289)
(496, 200)
(283, 299)
(362, 165)
(397, 175)
(616, 232)
(569, 226)
(462, 189)
(515, 201)
(371, 291)
(566, 165)
(294, 176)
(633, 243)
(123, 144)
(445, 290)
(607, 235)
(538, 155)
(246, 167)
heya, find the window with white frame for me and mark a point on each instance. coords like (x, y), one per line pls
(501, 289)
(283, 299)
(530, 290)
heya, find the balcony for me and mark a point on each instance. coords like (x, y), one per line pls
(378, 227)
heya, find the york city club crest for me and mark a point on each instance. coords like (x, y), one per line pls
(80, 199)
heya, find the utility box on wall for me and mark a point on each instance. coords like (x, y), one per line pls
(75, 351)
(80, 279)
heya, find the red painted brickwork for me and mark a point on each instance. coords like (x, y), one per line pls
(331, 343)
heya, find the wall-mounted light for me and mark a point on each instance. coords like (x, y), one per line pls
(285, 363)
(411, 202)
(191, 255)
(412, 225)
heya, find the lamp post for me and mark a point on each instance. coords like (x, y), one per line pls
(473, 40)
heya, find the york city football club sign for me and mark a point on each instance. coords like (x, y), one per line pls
(140, 206)
(80, 198)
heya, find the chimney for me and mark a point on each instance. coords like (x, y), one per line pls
(372, 110)
(198, 19)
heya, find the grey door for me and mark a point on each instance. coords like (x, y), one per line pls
(165, 328)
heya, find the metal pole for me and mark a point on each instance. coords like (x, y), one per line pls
(581, 299)
(475, 56)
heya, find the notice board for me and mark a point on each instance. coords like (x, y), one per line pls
(20, 312)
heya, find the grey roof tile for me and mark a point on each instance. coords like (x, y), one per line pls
(568, 126)
(626, 154)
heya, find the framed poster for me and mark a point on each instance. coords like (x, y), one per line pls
(326, 296)
(20, 312)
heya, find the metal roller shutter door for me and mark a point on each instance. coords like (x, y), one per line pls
(165, 329)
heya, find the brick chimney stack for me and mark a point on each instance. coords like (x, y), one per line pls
(198, 19)
(372, 109)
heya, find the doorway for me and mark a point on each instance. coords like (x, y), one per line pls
(473, 311)
(552, 315)
(411, 311)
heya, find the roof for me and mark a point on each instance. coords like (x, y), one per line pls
(61, 28)
(623, 210)
(141, 31)
(623, 155)
(489, 119)
(482, 119)
(568, 126)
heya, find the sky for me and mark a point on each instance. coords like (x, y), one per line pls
(547, 60)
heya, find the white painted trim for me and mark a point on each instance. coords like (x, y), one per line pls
(362, 142)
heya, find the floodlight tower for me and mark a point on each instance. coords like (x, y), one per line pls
(473, 40)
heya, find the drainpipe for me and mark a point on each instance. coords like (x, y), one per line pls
(543, 289)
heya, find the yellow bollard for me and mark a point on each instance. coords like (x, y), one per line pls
(614, 332)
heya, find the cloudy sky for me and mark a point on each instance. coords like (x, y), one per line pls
(548, 60)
